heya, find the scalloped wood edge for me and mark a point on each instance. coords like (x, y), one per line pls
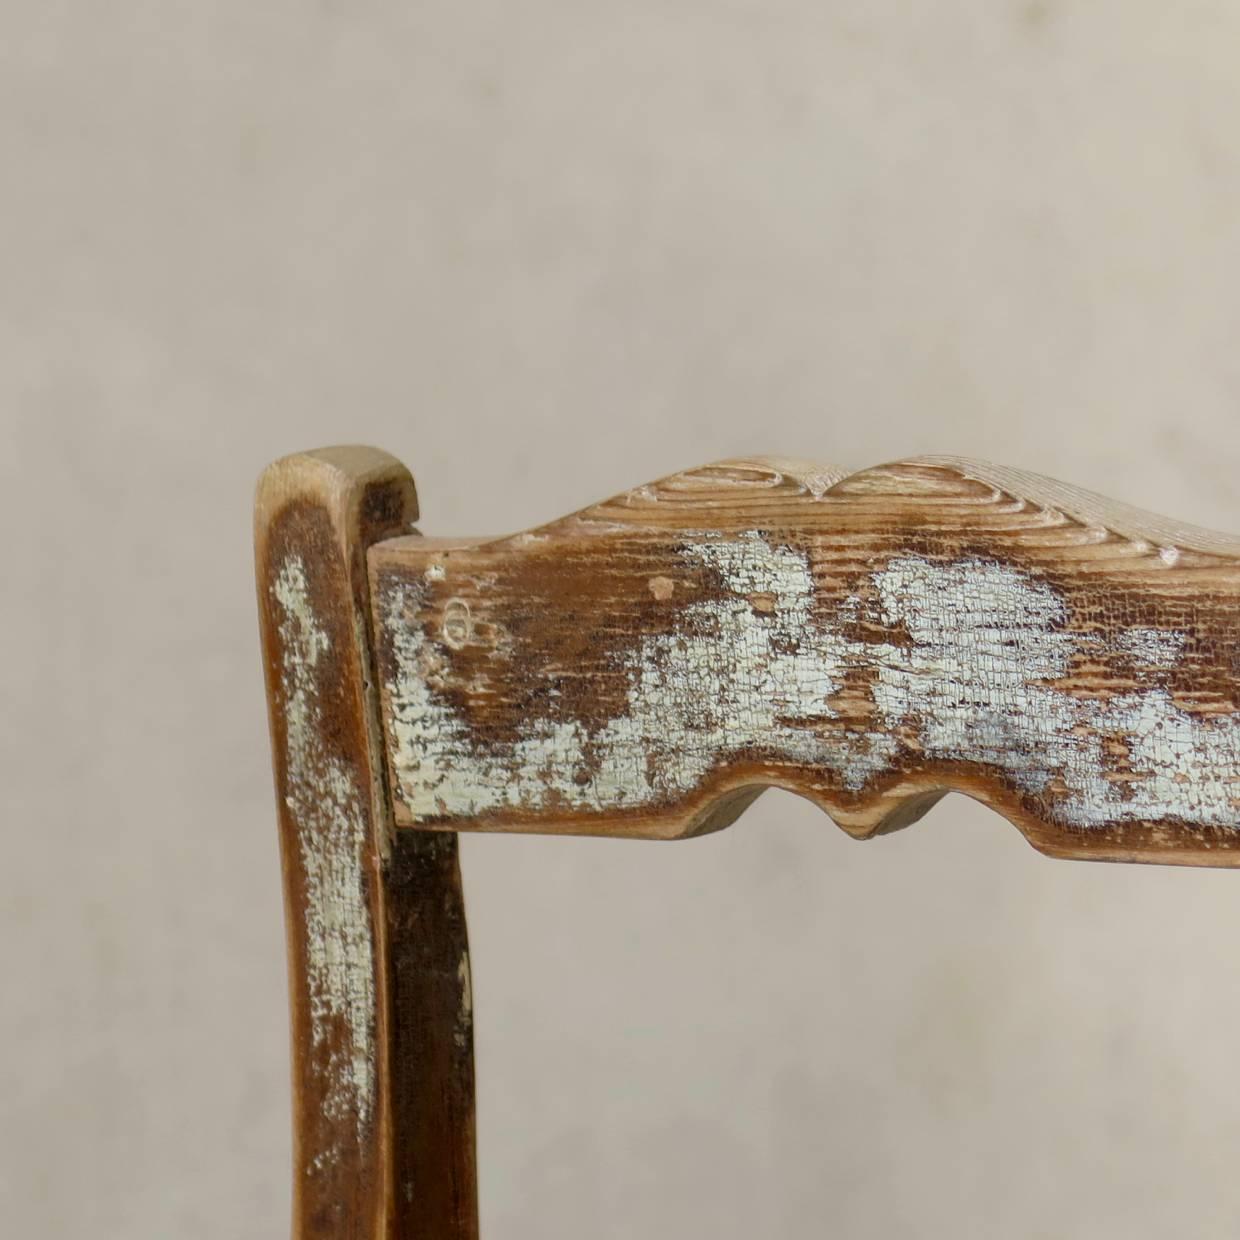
(870, 640)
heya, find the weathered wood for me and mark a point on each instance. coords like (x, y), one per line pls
(646, 666)
(433, 1059)
(381, 1051)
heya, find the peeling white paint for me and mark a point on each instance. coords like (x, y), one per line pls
(331, 835)
(973, 670)
(1153, 647)
(722, 682)
(980, 682)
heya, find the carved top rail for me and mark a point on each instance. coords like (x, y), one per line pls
(869, 640)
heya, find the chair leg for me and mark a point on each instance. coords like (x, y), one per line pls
(431, 1046)
(378, 960)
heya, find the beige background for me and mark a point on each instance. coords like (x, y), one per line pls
(544, 251)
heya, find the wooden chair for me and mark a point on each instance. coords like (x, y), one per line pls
(645, 668)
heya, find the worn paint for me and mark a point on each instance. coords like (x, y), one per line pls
(982, 680)
(975, 668)
(1153, 647)
(696, 695)
(326, 804)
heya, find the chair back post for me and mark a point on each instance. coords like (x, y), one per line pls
(381, 1012)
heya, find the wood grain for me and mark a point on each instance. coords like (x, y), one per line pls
(647, 666)
(378, 961)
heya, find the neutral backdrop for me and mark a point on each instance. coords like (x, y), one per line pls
(545, 251)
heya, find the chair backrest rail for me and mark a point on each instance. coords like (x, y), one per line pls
(870, 640)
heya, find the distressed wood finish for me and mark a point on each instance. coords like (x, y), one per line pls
(870, 640)
(378, 962)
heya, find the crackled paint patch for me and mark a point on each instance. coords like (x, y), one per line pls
(697, 694)
(974, 676)
(1152, 647)
(980, 682)
(331, 834)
